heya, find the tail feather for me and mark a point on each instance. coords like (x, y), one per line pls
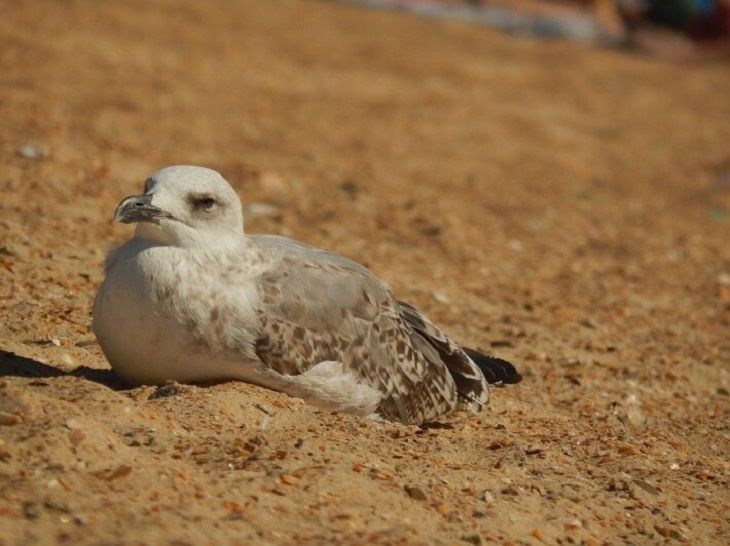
(495, 370)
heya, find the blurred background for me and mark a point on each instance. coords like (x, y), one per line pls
(643, 24)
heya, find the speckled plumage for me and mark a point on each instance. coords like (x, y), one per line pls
(191, 298)
(316, 306)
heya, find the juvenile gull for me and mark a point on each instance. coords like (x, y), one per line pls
(191, 298)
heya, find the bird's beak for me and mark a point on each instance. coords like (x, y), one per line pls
(138, 208)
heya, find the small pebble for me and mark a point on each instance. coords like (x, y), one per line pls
(646, 486)
(275, 187)
(254, 210)
(170, 388)
(76, 436)
(627, 450)
(534, 449)
(289, 479)
(121, 472)
(588, 323)
(31, 152)
(415, 492)
(444, 509)
(511, 490)
(10, 419)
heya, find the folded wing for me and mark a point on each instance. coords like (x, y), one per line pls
(315, 306)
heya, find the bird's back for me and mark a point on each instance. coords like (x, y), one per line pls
(318, 306)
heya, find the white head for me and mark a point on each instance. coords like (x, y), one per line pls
(185, 206)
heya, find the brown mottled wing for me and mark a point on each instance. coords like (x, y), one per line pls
(470, 382)
(316, 306)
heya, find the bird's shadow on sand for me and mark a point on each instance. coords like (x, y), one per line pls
(12, 365)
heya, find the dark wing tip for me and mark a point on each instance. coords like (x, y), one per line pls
(495, 370)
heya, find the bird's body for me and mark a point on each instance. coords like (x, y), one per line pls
(191, 298)
(155, 301)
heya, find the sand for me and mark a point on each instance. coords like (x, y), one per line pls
(559, 205)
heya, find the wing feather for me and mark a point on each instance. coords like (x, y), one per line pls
(470, 382)
(315, 306)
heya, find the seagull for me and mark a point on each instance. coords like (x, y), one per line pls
(192, 298)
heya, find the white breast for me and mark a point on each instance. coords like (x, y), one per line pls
(160, 315)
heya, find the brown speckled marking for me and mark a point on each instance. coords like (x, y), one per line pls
(333, 309)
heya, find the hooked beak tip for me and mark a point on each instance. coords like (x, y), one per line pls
(137, 208)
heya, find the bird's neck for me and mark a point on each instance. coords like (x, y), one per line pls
(192, 240)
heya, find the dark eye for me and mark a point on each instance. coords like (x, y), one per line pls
(147, 185)
(204, 203)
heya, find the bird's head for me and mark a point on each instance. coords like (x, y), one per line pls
(186, 206)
